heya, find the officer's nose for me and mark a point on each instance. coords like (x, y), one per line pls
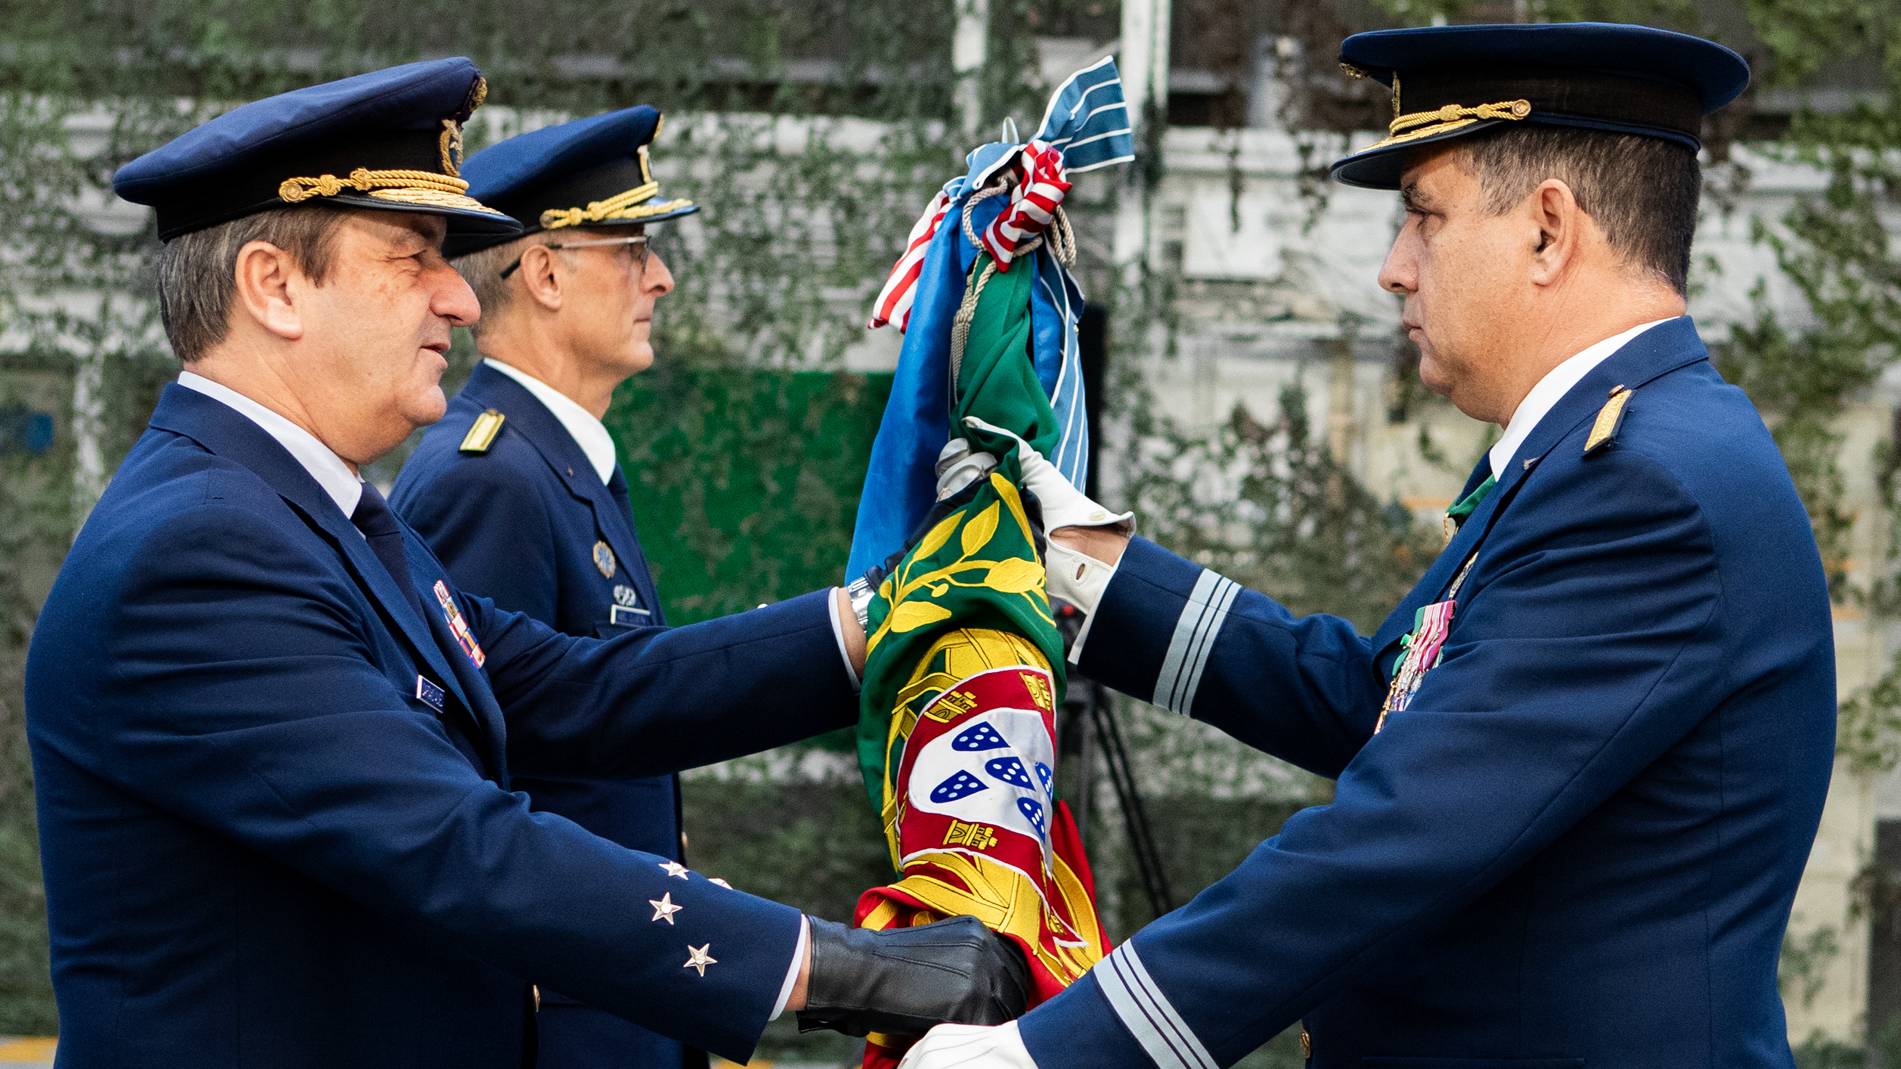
(452, 299)
(1400, 273)
(655, 277)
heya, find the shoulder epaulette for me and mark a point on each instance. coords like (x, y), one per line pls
(1609, 418)
(482, 434)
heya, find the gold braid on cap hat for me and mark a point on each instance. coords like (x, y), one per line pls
(390, 185)
(621, 207)
(1418, 124)
(430, 189)
(1459, 115)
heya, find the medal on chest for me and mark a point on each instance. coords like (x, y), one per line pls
(459, 627)
(1421, 648)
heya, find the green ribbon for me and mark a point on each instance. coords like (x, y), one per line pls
(1470, 502)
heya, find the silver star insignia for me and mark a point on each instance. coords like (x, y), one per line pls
(674, 869)
(664, 909)
(698, 958)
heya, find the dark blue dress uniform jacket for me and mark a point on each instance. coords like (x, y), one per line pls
(518, 523)
(261, 849)
(1579, 845)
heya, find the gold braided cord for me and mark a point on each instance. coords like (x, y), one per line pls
(1503, 109)
(656, 208)
(624, 205)
(1444, 120)
(364, 180)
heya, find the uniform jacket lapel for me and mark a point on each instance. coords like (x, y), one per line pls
(564, 456)
(467, 677)
(228, 433)
(1657, 351)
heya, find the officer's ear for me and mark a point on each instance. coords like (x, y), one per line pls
(541, 275)
(1558, 228)
(267, 281)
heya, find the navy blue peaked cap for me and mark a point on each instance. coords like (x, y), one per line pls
(389, 140)
(591, 172)
(1454, 81)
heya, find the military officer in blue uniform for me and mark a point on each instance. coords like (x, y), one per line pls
(272, 738)
(1580, 766)
(517, 489)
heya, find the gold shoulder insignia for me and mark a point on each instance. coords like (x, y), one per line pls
(482, 434)
(1609, 418)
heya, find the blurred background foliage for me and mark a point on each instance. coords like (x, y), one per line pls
(813, 131)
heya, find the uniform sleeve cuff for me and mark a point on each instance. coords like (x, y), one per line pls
(1080, 580)
(1115, 1015)
(838, 636)
(792, 971)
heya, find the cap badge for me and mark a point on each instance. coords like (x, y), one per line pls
(451, 145)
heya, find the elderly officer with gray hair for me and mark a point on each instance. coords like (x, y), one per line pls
(272, 740)
(518, 490)
(1580, 766)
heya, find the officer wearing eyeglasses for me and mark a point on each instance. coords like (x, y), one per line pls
(517, 489)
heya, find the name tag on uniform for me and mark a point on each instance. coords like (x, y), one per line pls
(625, 616)
(430, 694)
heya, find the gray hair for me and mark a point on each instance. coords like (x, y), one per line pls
(197, 272)
(482, 270)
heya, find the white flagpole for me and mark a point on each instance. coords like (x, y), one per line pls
(970, 46)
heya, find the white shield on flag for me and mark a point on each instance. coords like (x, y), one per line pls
(996, 768)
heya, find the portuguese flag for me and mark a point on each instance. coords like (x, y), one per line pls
(963, 678)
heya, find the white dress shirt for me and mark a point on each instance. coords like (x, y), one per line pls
(1550, 389)
(331, 473)
(343, 487)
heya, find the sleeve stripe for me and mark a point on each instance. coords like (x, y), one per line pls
(1224, 597)
(1148, 1016)
(1188, 648)
(1170, 676)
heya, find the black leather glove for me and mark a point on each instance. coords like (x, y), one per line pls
(905, 980)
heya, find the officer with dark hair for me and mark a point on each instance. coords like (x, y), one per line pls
(273, 741)
(1580, 766)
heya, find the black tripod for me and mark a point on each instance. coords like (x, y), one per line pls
(1089, 725)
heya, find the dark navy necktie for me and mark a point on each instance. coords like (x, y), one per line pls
(385, 536)
(617, 488)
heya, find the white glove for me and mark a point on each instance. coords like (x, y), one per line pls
(1074, 577)
(969, 1046)
(1063, 504)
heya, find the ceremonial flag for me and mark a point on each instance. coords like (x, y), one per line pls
(1085, 127)
(964, 670)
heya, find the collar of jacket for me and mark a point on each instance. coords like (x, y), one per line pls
(226, 432)
(563, 455)
(1651, 354)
